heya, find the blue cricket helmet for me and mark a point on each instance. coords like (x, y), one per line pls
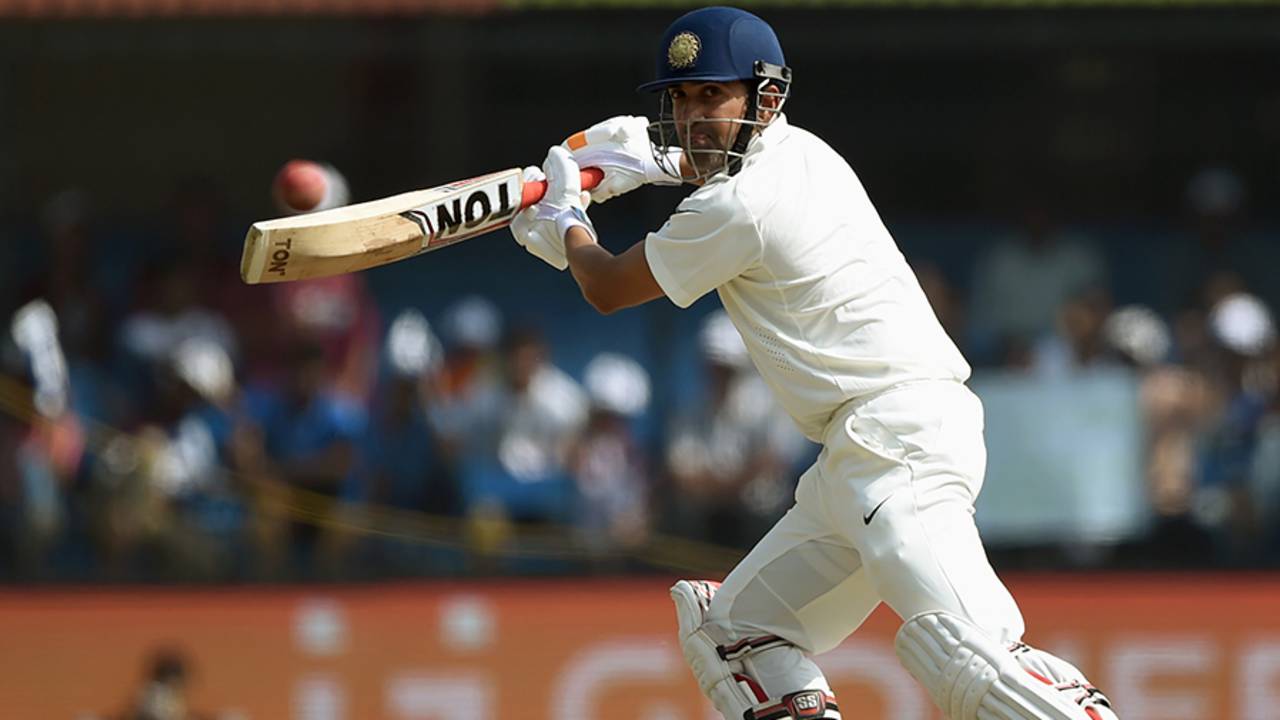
(718, 44)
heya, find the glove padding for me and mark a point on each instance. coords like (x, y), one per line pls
(541, 228)
(620, 146)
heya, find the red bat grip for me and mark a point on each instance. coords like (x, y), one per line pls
(533, 190)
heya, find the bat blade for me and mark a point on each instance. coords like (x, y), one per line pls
(370, 234)
(378, 232)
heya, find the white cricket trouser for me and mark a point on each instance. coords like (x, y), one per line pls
(884, 515)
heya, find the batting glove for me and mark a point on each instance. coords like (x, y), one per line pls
(620, 146)
(540, 229)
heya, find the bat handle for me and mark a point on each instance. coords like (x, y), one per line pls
(533, 191)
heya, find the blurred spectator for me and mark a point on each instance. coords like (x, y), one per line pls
(1137, 335)
(402, 456)
(608, 464)
(731, 458)
(517, 446)
(1175, 403)
(1194, 341)
(338, 315)
(306, 436)
(471, 372)
(1078, 342)
(184, 455)
(1206, 420)
(171, 311)
(161, 503)
(163, 695)
(400, 446)
(197, 387)
(1020, 282)
(174, 312)
(1244, 332)
(83, 285)
(49, 454)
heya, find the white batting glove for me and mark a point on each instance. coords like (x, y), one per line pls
(540, 229)
(620, 147)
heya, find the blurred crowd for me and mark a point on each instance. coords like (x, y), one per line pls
(159, 420)
(200, 429)
(1198, 335)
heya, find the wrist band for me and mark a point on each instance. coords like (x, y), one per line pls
(572, 216)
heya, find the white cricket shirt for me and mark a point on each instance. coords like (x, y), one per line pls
(828, 307)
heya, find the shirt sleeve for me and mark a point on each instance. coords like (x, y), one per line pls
(707, 242)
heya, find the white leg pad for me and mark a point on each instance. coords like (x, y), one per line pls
(714, 676)
(759, 678)
(971, 676)
(1065, 678)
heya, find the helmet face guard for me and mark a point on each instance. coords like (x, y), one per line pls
(666, 132)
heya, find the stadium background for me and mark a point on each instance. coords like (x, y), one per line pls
(1086, 190)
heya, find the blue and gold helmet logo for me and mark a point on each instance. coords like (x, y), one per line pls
(683, 50)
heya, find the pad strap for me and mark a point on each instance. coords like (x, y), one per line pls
(803, 705)
(746, 646)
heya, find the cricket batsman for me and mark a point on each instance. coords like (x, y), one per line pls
(780, 226)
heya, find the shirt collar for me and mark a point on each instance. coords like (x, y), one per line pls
(770, 136)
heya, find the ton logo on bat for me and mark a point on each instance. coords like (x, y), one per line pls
(453, 214)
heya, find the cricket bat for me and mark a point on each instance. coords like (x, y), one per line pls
(358, 237)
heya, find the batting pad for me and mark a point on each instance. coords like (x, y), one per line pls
(754, 678)
(971, 676)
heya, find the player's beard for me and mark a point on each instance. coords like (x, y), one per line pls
(705, 143)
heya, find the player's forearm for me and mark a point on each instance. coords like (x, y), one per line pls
(590, 266)
(609, 282)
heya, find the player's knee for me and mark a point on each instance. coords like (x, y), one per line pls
(888, 557)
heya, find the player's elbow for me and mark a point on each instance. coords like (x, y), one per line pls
(612, 283)
(603, 301)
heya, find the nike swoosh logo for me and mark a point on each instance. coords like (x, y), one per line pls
(866, 519)
(688, 212)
